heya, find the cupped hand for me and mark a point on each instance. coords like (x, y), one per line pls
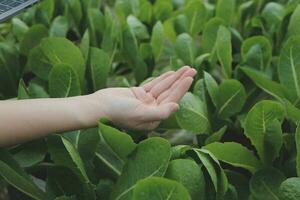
(144, 107)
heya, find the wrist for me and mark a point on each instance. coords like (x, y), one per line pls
(91, 109)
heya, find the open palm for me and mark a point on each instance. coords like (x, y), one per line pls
(144, 107)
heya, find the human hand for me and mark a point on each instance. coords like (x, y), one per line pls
(144, 107)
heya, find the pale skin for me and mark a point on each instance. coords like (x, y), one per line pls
(137, 108)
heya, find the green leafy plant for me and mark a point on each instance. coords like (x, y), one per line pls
(235, 137)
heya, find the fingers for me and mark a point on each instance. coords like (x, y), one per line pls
(164, 95)
(147, 126)
(177, 93)
(141, 95)
(158, 113)
(148, 86)
(165, 84)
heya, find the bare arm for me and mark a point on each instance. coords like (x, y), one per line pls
(29, 119)
(140, 108)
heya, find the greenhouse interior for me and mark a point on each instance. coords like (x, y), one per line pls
(149, 100)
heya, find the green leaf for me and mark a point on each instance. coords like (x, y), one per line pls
(157, 40)
(234, 154)
(273, 141)
(263, 128)
(169, 30)
(262, 81)
(109, 160)
(60, 50)
(240, 182)
(185, 49)
(73, 137)
(30, 154)
(100, 65)
(200, 60)
(104, 188)
(179, 151)
(19, 28)
(63, 153)
(230, 98)
(38, 63)
(213, 168)
(257, 23)
(137, 27)
(162, 10)
(289, 65)
(63, 81)
(192, 115)
(37, 90)
(85, 45)
(224, 50)
(62, 181)
(155, 188)
(297, 141)
(145, 14)
(150, 158)
(65, 198)
(22, 90)
(231, 193)
(188, 173)
(140, 69)
(9, 69)
(170, 123)
(292, 113)
(254, 57)
(145, 51)
(96, 24)
(132, 55)
(265, 48)
(216, 136)
(181, 24)
(290, 189)
(88, 142)
(53, 51)
(121, 143)
(130, 45)
(111, 35)
(125, 8)
(74, 11)
(90, 4)
(44, 12)
(196, 14)
(294, 24)
(225, 10)
(199, 90)
(265, 183)
(14, 175)
(212, 87)
(273, 13)
(59, 27)
(210, 33)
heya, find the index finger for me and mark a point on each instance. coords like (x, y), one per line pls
(177, 93)
(148, 86)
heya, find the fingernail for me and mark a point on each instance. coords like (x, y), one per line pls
(194, 70)
(186, 67)
(175, 108)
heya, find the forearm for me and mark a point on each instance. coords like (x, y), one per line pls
(23, 120)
